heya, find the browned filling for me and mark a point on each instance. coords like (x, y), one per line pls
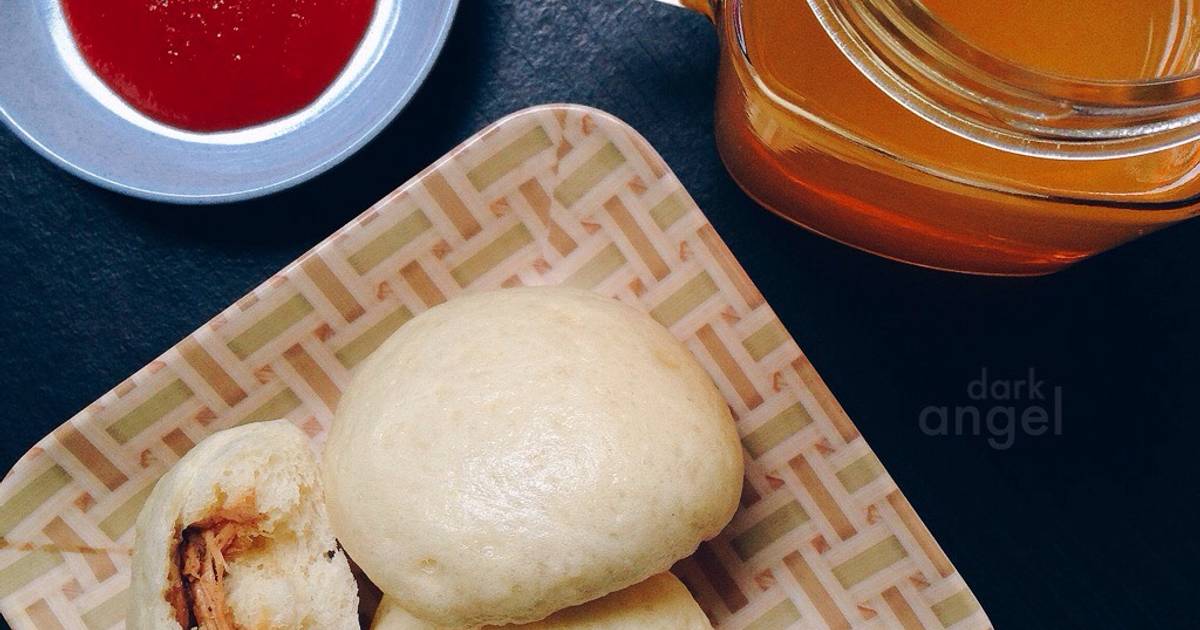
(197, 575)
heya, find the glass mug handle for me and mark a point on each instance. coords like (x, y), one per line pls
(705, 7)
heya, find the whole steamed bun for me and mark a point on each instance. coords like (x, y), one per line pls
(509, 454)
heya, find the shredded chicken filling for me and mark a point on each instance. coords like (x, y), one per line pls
(197, 576)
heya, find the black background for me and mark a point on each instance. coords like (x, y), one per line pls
(1092, 528)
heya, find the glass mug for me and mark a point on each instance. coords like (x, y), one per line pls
(875, 123)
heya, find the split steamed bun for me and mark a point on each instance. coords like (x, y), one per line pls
(509, 454)
(235, 536)
(660, 603)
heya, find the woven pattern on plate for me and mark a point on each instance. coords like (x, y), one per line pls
(554, 195)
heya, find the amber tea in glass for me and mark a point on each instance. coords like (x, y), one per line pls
(992, 136)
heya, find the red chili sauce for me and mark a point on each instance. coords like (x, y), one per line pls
(215, 65)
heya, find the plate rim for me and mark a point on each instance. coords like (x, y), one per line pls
(431, 55)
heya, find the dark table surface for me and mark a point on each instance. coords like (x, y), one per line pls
(1090, 528)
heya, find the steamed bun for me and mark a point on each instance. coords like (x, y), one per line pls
(509, 454)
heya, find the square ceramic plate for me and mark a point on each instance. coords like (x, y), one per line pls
(553, 195)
